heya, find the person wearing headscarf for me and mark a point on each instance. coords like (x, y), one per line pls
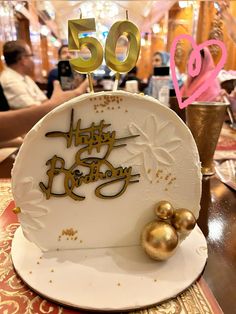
(193, 83)
(162, 59)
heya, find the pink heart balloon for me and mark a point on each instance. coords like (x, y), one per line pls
(195, 55)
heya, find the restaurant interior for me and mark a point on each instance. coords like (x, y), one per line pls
(43, 26)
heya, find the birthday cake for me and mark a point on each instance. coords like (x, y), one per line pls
(91, 172)
(99, 182)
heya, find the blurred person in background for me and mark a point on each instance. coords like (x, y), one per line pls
(131, 76)
(18, 87)
(212, 93)
(14, 123)
(63, 54)
(162, 59)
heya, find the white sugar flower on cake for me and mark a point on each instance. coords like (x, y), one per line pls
(28, 199)
(153, 148)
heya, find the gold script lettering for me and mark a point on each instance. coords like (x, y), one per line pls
(95, 168)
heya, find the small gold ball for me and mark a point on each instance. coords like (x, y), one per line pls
(183, 220)
(159, 240)
(164, 210)
(16, 210)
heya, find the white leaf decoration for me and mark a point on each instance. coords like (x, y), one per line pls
(154, 146)
(151, 128)
(134, 129)
(29, 200)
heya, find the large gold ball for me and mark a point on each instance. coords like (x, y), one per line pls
(164, 210)
(159, 240)
(183, 220)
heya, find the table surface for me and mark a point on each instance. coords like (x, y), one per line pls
(218, 222)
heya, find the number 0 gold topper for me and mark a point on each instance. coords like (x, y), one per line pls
(125, 28)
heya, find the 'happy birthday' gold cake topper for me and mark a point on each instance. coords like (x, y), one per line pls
(86, 168)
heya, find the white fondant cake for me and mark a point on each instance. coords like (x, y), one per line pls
(90, 172)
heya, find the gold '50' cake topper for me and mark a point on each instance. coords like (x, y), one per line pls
(118, 29)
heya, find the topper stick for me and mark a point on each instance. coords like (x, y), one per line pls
(116, 83)
(90, 79)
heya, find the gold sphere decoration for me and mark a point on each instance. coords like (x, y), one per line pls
(164, 210)
(159, 240)
(183, 220)
(16, 210)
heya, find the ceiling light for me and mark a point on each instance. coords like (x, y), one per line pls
(156, 28)
(185, 4)
(44, 30)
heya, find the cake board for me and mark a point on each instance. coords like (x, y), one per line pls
(108, 279)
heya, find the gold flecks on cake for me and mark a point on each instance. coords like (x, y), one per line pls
(159, 172)
(155, 280)
(68, 234)
(30, 272)
(50, 281)
(81, 241)
(40, 257)
(105, 102)
(118, 284)
(38, 263)
(52, 270)
(126, 110)
(149, 170)
(165, 178)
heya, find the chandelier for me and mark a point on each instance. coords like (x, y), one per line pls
(99, 9)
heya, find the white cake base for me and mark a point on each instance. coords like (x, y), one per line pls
(111, 278)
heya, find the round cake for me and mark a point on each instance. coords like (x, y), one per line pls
(90, 173)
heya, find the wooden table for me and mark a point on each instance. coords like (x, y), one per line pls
(218, 222)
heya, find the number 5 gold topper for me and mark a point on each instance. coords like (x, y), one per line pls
(125, 27)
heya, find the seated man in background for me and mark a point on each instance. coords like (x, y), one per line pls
(18, 87)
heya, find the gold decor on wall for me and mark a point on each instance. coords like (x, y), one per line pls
(216, 32)
(179, 53)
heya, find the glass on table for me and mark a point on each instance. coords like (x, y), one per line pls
(205, 120)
